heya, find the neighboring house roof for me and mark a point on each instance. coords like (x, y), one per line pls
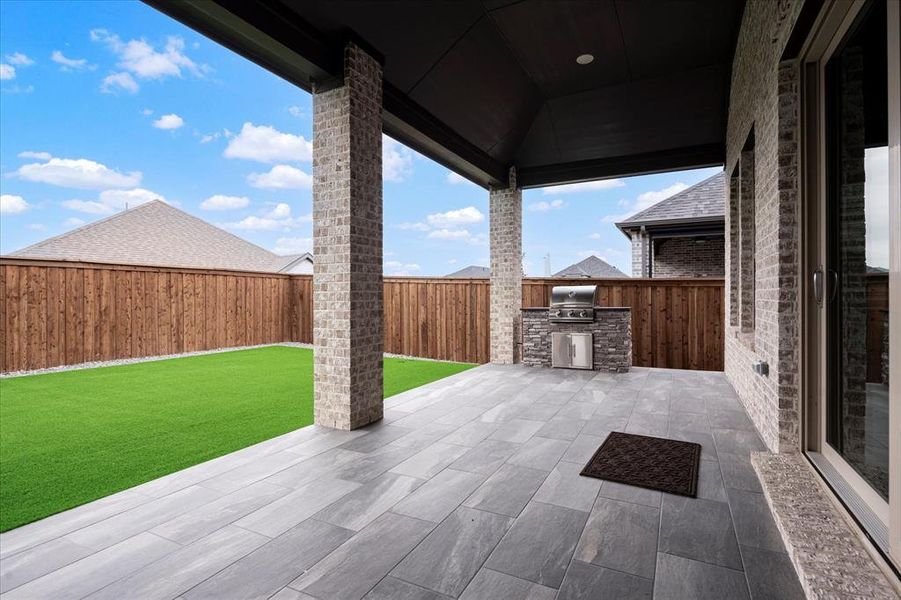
(158, 234)
(290, 261)
(702, 202)
(472, 272)
(592, 267)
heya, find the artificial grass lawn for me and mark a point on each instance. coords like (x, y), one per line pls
(71, 437)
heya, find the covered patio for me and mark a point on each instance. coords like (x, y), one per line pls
(469, 487)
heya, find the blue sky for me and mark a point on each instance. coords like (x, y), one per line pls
(108, 104)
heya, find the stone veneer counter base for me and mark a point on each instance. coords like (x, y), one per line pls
(612, 337)
(829, 558)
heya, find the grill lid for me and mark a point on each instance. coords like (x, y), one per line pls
(573, 295)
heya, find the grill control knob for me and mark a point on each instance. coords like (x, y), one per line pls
(582, 314)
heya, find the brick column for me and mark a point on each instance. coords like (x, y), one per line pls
(505, 225)
(641, 253)
(347, 243)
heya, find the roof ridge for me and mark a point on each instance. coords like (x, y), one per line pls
(86, 226)
(674, 198)
(144, 205)
(208, 224)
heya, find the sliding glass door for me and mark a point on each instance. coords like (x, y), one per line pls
(854, 263)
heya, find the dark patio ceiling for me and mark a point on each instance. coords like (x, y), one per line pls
(483, 85)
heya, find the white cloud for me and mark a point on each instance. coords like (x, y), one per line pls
(293, 245)
(457, 179)
(172, 121)
(118, 81)
(143, 60)
(452, 261)
(223, 202)
(648, 199)
(12, 205)
(413, 226)
(454, 218)
(282, 210)
(74, 222)
(449, 234)
(258, 224)
(397, 160)
(399, 269)
(70, 64)
(585, 186)
(147, 112)
(79, 173)
(19, 59)
(206, 139)
(91, 207)
(18, 89)
(110, 201)
(281, 177)
(645, 200)
(296, 111)
(277, 219)
(458, 235)
(36, 155)
(545, 206)
(7, 72)
(266, 144)
(37, 227)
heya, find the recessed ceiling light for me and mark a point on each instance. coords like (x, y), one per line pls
(585, 59)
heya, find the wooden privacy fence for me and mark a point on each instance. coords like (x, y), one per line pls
(55, 313)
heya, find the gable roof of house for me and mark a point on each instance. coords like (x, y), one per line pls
(158, 234)
(704, 201)
(591, 267)
(472, 272)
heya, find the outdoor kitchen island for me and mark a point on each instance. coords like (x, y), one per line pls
(574, 333)
(611, 337)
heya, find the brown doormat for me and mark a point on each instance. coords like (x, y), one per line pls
(650, 462)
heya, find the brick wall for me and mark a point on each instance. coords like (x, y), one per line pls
(765, 98)
(611, 338)
(689, 257)
(505, 237)
(347, 242)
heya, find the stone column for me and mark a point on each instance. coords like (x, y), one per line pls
(347, 245)
(505, 225)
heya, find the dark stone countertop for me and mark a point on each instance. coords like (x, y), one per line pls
(600, 308)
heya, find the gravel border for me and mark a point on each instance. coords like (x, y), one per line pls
(129, 361)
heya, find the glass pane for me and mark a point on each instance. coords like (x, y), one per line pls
(858, 249)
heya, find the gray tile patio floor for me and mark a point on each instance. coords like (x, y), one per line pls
(468, 488)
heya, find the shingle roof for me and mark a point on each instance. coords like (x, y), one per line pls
(592, 267)
(472, 272)
(161, 235)
(703, 200)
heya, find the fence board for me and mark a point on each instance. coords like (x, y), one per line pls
(58, 313)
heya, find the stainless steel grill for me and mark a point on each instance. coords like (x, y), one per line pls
(572, 304)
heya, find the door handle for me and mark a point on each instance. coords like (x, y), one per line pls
(818, 285)
(834, 291)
